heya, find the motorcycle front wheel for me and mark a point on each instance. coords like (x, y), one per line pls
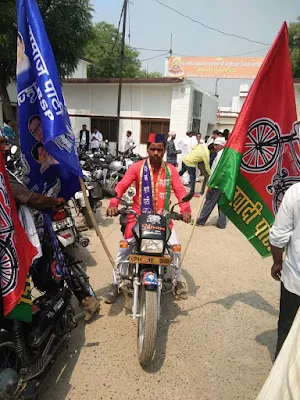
(147, 325)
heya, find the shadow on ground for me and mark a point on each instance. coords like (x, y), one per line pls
(268, 339)
(252, 299)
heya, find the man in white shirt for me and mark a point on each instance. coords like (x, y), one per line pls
(213, 195)
(185, 145)
(285, 233)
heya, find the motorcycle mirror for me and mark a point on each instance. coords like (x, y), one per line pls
(187, 197)
(106, 141)
(13, 149)
(110, 192)
(8, 158)
(131, 144)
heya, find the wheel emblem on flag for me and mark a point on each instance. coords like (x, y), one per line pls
(265, 147)
(8, 254)
(8, 267)
(262, 146)
(265, 144)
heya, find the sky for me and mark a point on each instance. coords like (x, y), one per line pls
(151, 26)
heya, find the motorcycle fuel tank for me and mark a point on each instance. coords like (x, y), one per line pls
(116, 165)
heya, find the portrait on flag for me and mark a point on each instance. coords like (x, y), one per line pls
(46, 138)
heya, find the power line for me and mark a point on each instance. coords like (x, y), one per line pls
(209, 27)
(160, 55)
(232, 55)
(117, 35)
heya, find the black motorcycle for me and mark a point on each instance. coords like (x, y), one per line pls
(147, 273)
(28, 350)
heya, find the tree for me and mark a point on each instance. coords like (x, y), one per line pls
(145, 74)
(294, 45)
(103, 50)
(68, 24)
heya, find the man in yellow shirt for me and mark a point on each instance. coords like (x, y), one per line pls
(200, 154)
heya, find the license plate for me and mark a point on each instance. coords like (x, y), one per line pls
(79, 195)
(138, 259)
(62, 224)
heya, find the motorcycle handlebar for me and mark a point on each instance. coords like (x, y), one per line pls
(173, 215)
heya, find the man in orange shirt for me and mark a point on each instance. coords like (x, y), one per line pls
(152, 177)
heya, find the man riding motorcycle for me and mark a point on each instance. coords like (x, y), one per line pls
(23, 196)
(163, 178)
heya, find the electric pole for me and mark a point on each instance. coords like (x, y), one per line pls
(121, 71)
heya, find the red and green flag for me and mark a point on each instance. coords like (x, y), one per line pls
(16, 255)
(262, 157)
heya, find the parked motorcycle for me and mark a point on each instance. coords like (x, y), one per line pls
(94, 192)
(65, 228)
(147, 272)
(28, 350)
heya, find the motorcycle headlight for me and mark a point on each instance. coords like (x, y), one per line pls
(152, 246)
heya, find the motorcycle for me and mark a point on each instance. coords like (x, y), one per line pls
(147, 273)
(65, 228)
(94, 192)
(29, 349)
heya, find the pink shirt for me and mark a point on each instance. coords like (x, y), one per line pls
(133, 175)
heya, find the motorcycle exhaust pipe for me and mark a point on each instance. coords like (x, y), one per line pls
(84, 241)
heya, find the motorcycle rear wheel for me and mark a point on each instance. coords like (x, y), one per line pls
(83, 280)
(9, 366)
(147, 325)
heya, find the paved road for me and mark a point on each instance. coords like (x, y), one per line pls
(217, 345)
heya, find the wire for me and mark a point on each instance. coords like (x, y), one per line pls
(129, 30)
(233, 55)
(151, 58)
(117, 35)
(209, 27)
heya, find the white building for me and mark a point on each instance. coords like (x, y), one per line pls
(228, 115)
(148, 105)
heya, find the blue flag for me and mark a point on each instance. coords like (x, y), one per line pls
(47, 143)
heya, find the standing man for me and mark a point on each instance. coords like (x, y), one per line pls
(129, 141)
(199, 154)
(186, 147)
(84, 138)
(285, 235)
(7, 131)
(213, 195)
(171, 149)
(96, 139)
(154, 179)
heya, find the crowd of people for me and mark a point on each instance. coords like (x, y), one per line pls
(199, 157)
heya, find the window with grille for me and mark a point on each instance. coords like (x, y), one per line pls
(107, 126)
(153, 126)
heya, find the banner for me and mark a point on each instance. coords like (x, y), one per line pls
(262, 157)
(16, 251)
(47, 143)
(214, 67)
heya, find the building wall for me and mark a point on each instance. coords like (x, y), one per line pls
(209, 114)
(180, 110)
(81, 70)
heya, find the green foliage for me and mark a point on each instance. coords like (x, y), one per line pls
(68, 24)
(104, 52)
(294, 45)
